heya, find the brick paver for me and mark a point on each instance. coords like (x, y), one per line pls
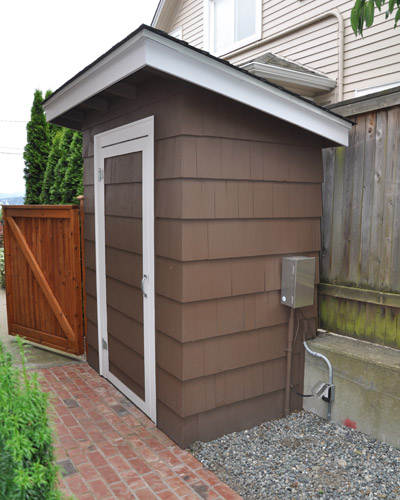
(109, 450)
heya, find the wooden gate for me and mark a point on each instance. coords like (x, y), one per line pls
(43, 275)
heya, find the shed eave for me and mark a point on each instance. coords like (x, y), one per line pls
(151, 49)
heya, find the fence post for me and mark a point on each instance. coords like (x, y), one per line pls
(82, 217)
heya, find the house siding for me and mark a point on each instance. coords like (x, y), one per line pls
(190, 18)
(368, 61)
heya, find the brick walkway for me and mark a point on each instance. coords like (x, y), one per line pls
(108, 449)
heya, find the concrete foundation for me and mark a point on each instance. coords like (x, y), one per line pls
(367, 379)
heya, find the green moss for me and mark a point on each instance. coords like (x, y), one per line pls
(359, 324)
(380, 325)
(370, 322)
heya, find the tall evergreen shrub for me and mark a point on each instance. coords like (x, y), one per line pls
(54, 157)
(72, 183)
(36, 150)
(60, 169)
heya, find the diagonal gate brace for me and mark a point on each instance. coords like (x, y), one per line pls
(41, 279)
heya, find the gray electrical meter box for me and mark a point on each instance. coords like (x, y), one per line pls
(298, 278)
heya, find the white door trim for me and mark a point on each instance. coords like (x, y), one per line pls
(136, 136)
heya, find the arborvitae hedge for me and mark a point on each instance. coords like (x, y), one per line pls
(52, 161)
(72, 183)
(36, 150)
(56, 194)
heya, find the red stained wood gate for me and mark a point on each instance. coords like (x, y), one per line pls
(43, 275)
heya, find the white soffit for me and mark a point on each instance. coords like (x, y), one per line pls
(147, 48)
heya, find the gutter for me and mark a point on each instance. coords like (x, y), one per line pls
(332, 13)
(269, 71)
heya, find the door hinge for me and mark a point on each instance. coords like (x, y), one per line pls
(100, 174)
(104, 345)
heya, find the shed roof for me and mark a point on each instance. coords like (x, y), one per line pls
(150, 48)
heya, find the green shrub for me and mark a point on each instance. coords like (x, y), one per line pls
(2, 269)
(27, 464)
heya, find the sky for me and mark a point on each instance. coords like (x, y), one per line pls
(43, 43)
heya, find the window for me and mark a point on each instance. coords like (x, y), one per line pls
(232, 24)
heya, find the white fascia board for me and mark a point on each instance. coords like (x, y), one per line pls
(125, 60)
(286, 75)
(151, 49)
(204, 71)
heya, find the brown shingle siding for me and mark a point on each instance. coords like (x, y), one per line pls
(235, 190)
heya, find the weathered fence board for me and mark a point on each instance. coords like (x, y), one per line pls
(43, 275)
(361, 230)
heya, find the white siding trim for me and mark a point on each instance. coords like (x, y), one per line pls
(206, 25)
(147, 48)
(377, 88)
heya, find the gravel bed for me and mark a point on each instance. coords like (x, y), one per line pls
(303, 457)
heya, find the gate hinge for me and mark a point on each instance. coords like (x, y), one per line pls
(100, 174)
(104, 345)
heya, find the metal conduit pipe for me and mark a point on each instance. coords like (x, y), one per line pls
(289, 353)
(332, 13)
(319, 355)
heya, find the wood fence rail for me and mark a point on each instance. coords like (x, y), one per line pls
(43, 275)
(361, 231)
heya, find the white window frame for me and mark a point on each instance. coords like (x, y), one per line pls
(208, 35)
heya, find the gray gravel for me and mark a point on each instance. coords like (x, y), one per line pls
(303, 457)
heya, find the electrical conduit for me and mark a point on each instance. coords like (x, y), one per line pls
(325, 15)
(319, 355)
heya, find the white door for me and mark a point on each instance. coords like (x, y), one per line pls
(124, 226)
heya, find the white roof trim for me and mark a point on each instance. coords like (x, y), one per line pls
(160, 8)
(165, 14)
(151, 49)
(286, 75)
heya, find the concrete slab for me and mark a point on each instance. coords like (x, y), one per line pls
(36, 357)
(367, 379)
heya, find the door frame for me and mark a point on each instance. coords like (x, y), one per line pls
(133, 137)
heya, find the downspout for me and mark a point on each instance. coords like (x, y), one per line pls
(332, 13)
(319, 355)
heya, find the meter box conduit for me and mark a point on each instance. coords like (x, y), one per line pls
(298, 278)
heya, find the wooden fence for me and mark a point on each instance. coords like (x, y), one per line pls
(43, 275)
(360, 269)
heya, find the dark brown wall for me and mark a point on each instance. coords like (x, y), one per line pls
(164, 101)
(235, 190)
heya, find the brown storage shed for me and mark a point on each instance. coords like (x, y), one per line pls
(198, 178)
